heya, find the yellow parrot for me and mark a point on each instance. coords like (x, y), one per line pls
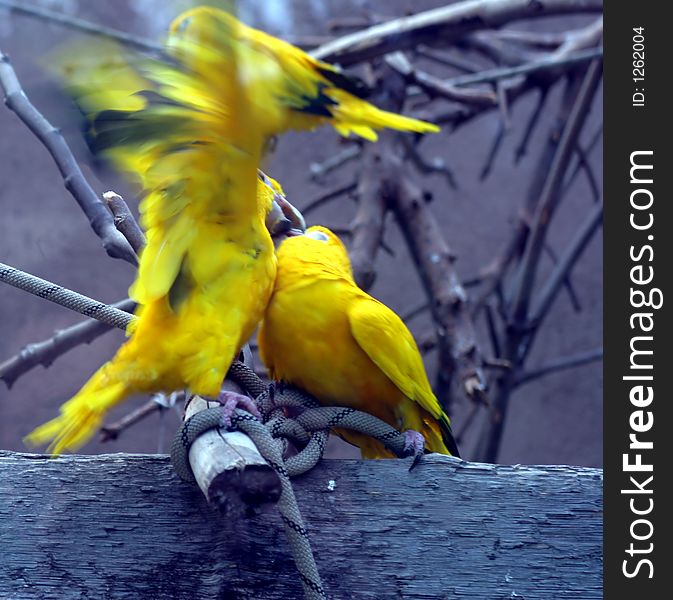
(192, 129)
(326, 336)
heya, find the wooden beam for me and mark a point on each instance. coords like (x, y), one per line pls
(124, 526)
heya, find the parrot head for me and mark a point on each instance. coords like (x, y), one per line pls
(318, 246)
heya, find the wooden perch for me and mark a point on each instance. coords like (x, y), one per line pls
(227, 466)
(125, 526)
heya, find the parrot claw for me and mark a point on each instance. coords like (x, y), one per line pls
(414, 443)
(231, 401)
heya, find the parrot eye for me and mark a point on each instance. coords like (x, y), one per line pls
(318, 235)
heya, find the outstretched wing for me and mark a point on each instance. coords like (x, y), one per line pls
(313, 92)
(190, 128)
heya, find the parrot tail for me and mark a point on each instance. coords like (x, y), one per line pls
(447, 435)
(81, 416)
(351, 114)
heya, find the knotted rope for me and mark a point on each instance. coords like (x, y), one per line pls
(309, 430)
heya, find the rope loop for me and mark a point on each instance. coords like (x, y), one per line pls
(307, 428)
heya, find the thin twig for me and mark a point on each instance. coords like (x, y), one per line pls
(551, 192)
(546, 64)
(100, 219)
(318, 170)
(492, 330)
(516, 88)
(112, 431)
(435, 166)
(46, 352)
(493, 274)
(328, 196)
(493, 152)
(566, 362)
(440, 58)
(585, 165)
(533, 120)
(414, 312)
(544, 40)
(82, 25)
(593, 141)
(565, 264)
(567, 282)
(435, 87)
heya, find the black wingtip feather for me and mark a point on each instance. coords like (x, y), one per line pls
(350, 83)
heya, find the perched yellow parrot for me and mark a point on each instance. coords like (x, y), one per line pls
(326, 336)
(192, 128)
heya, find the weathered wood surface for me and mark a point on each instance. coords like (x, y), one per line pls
(125, 527)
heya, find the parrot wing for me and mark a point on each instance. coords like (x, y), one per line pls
(386, 340)
(389, 344)
(187, 128)
(313, 92)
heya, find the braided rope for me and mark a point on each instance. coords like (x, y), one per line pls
(309, 429)
(72, 300)
(270, 449)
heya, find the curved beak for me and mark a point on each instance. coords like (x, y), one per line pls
(290, 222)
(284, 219)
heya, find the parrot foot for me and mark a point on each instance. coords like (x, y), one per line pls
(414, 443)
(231, 401)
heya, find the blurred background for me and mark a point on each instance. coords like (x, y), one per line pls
(475, 176)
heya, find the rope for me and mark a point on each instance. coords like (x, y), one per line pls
(72, 300)
(309, 429)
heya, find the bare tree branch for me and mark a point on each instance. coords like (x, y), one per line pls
(101, 221)
(319, 170)
(435, 87)
(448, 300)
(443, 25)
(546, 64)
(435, 166)
(492, 275)
(567, 282)
(368, 224)
(328, 196)
(114, 430)
(518, 325)
(438, 57)
(46, 352)
(414, 312)
(566, 362)
(125, 221)
(565, 264)
(82, 25)
(551, 192)
(530, 125)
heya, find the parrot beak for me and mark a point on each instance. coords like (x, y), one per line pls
(284, 220)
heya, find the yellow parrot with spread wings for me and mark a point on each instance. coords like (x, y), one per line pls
(191, 127)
